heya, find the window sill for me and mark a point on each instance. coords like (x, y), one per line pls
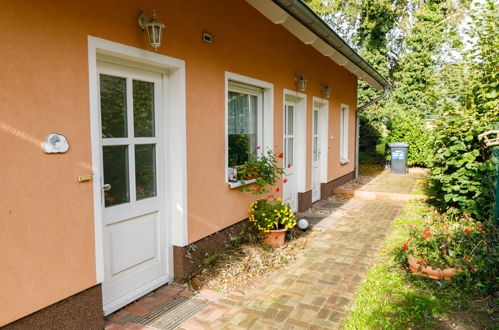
(240, 183)
(344, 161)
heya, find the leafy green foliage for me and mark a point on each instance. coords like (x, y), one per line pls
(462, 171)
(264, 170)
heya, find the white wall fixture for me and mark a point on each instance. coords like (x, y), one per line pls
(301, 82)
(326, 91)
(154, 29)
(55, 144)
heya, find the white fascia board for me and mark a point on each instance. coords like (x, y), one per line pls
(323, 47)
(301, 32)
(339, 59)
(270, 10)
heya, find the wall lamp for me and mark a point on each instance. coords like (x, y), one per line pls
(301, 82)
(154, 28)
(326, 90)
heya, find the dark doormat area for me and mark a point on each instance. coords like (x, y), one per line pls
(172, 314)
(331, 205)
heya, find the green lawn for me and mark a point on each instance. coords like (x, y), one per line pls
(391, 298)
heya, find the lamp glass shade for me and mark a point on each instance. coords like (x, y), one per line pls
(302, 84)
(327, 92)
(155, 33)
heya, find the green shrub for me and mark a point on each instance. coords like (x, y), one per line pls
(462, 173)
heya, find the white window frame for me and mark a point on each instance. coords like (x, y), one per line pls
(344, 114)
(265, 92)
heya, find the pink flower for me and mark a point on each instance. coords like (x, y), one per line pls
(258, 148)
(289, 165)
(280, 155)
(480, 225)
(467, 231)
(277, 189)
(285, 180)
(405, 247)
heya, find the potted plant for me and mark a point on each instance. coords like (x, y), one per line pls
(263, 170)
(272, 218)
(446, 244)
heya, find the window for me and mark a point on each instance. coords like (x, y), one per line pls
(248, 121)
(344, 134)
(245, 122)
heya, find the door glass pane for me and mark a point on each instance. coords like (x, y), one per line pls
(115, 160)
(113, 106)
(143, 108)
(316, 121)
(289, 152)
(145, 170)
(315, 154)
(242, 120)
(290, 120)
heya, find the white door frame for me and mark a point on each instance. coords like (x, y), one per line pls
(300, 157)
(174, 122)
(323, 106)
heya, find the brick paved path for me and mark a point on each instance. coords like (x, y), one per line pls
(315, 291)
(312, 293)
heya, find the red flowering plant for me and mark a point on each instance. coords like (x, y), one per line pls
(263, 170)
(448, 240)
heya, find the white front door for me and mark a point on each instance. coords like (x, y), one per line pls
(316, 186)
(133, 189)
(289, 190)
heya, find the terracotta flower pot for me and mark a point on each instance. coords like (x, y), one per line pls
(275, 238)
(436, 274)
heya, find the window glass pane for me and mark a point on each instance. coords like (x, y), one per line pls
(289, 152)
(145, 170)
(115, 160)
(315, 153)
(290, 128)
(113, 106)
(316, 121)
(143, 108)
(242, 121)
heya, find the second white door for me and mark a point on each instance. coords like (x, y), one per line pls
(316, 154)
(289, 191)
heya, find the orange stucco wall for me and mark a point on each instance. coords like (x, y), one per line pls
(46, 216)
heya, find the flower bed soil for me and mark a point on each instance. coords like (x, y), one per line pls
(238, 269)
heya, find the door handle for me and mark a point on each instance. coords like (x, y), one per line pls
(106, 187)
